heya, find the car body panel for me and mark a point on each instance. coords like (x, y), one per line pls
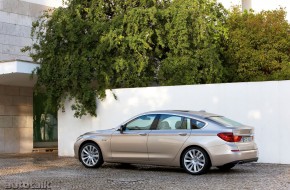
(130, 145)
(245, 132)
(100, 137)
(223, 155)
(169, 143)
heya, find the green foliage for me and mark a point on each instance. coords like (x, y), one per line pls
(192, 34)
(94, 45)
(258, 47)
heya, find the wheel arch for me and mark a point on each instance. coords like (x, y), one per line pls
(85, 142)
(190, 146)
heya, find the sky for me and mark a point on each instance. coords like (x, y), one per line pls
(257, 5)
(52, 3)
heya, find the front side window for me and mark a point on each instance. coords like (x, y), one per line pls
(172, 122)
(143, 122)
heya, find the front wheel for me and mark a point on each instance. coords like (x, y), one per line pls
(91, 155)
(195, 161)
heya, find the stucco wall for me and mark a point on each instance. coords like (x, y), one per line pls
(264, 105)
(16, 120)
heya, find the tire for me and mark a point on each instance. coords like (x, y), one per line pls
(195, 161)
(226, 167)
(91, 156)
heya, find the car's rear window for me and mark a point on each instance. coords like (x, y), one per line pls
(225, 121)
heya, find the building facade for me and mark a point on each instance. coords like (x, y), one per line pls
(16, 87)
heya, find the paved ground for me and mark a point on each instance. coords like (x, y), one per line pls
(47, 171)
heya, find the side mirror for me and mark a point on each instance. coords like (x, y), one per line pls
(122, 128)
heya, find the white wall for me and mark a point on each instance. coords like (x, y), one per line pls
(264, 105)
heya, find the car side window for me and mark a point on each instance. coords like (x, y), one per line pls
(143, 122)
(195, 124)
(171, 122)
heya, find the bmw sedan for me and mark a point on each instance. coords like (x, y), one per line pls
(192, 140)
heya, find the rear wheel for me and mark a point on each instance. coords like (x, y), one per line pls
(195, 161)
(226, 167)
(91, 155)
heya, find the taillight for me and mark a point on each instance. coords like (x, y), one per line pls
(229, 137)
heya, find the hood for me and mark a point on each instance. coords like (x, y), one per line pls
(104, 131)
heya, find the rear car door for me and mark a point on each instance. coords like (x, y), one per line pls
(167, 138)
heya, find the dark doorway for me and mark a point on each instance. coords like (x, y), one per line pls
(44, 123)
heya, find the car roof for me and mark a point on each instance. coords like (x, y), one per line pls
(186, 113)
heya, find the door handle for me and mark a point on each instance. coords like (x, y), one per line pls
(182, 134)
(142, 134)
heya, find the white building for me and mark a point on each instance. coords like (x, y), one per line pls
(16, 92)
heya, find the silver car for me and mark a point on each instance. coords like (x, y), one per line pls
(193, 140)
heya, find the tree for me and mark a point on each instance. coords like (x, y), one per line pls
(192, 35)
(258, 46)
(93, 45)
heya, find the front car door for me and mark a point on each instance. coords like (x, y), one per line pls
(131, 144)
(170, 134)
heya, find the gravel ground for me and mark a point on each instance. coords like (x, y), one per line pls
(48, 171)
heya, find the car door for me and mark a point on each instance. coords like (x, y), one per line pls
(167, 138)
(131, 144)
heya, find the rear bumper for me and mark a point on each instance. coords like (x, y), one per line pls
(244, 161)
(222, 155)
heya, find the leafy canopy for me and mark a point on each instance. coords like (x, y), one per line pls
(258, 46)
(192, 35)
(93, 45)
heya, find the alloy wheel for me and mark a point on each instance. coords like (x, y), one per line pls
(195, 161)
(90, 155)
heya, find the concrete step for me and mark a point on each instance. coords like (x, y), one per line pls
(45, 150)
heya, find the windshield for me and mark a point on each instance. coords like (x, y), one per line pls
(225, 121)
